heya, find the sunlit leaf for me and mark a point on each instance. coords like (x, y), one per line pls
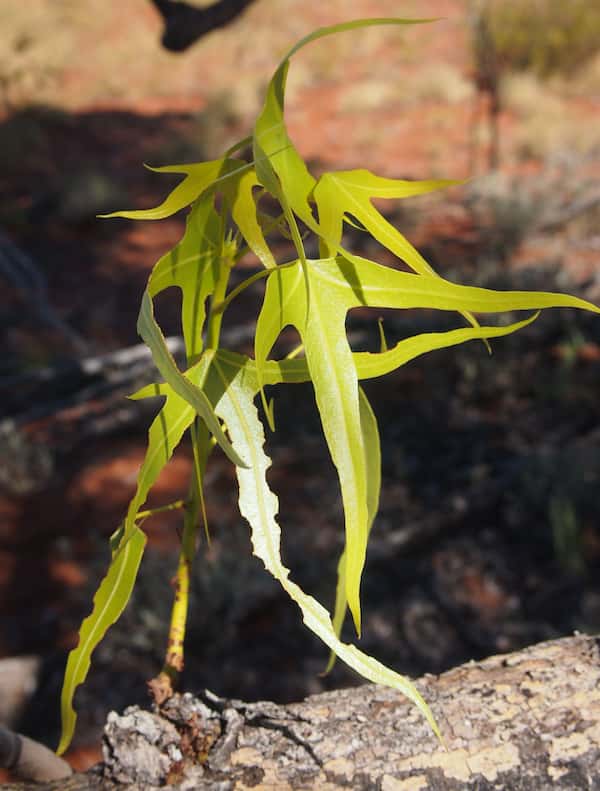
(259, 506)
(193, 266)
(163, 359)
(335, 381)
(279, 167)
(283, 172)
(109, 602)
(337, 285)
(361, 282)
(244, 213)
(350, 193)
(372, 449)
(370, 365)
(314, 296)
(166, 431)
(198, 177)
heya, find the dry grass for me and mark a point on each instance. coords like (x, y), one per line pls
(546, 122)
(543, 36)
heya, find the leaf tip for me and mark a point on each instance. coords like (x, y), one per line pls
(354, 607)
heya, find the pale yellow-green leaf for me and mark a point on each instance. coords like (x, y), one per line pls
(350, 192)
(335, 381)
(109, 602)
(372, 450)
(192, 266)
(369, 365)
(244, 213)
(198, 177)
(278, 165)
(337, 285)
(163, 359)
(259, 506)
(360, 282)
(166, 431)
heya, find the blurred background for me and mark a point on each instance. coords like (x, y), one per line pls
(488, 538)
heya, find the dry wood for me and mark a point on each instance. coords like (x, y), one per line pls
(528, 720)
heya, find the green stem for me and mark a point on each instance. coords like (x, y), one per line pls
(175, 506)
(297, 240)
(242, 287)
(162, 686)
(215, 315)
(294, 230)
(200, 449)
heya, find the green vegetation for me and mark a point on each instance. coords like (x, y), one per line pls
(544, 36)
(235, 203)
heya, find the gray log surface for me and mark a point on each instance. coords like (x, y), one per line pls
(526, 721)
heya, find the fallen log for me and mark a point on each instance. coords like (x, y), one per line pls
(527, 720)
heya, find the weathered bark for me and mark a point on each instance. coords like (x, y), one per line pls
(528, 720)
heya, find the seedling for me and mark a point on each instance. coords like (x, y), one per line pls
(213, 399)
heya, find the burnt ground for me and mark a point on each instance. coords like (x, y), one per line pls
(487, 537)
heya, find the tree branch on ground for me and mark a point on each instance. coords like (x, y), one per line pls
(530, 719)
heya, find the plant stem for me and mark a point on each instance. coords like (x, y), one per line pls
(215, 316)
(175, 506)
(163, 685)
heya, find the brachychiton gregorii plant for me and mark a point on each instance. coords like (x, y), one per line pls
(213, 399)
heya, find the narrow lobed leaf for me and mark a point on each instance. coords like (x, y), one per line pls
(109, 602)
(259, 506)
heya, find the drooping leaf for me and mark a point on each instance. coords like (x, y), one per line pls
(109, 602)
(176, 415)
(258, 504)
(372, 448)
(163, 359)
(166, 431)
(335, 381)
(244, 213)
(231, 385)
(336, 286)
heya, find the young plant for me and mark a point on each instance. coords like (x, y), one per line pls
(213, 399)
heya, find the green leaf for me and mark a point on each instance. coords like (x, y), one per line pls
(177, 415)
(283, 172)
(350, 193)
(361, 282)
(109, 602)
(353, 24)
(166, 431)
(244, 213)
(235, 393)
(337, 285)
(335, 381)
(163, 359)
(372, 448)
(278, 165)
(198, 178)
(369, 365)
(192, 266)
